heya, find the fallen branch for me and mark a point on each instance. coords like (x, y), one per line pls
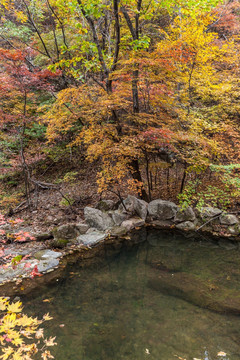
(214, 218)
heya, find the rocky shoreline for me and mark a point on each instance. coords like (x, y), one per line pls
(109, 223)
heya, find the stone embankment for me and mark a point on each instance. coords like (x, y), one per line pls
(109, 221)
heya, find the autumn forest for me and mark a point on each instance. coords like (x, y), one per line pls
(143, 95)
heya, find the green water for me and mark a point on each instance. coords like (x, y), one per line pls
(110, 311)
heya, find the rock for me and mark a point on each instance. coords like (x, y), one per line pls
(132, 223)
(98, 219)
(42, 236)
(46, 254)
(11, 273)
(185, 215)
(47, 264)
(118, 231)
(162, 224)
(24, 268)
(6, 227)
(156, 239)
(162, 210)
(187, 225)
(228, 219)
(60, 243)
(190, 288)
(209, 212)
(138, 237)
(92, 238)
(118, 217)
(105, 205)
(234, 230)
(227, 244)
(82, 228)
(135, 206)
(66, 232)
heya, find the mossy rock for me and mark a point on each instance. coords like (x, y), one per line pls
(60, 243)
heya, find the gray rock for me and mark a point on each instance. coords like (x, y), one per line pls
(162, 224)
(98, 219)
(42, 236)
(234, 230)
(105, 205)
(118, 217)
(82, 228)
(135, 206)
(162, 210)
(66, 232)
(92, 238)
(187, 225)
(24, 268)
(185, 215)
(228, 219)
(132, 223)
(118, 231)
(46, 254)
(47, 264)
(209, 212)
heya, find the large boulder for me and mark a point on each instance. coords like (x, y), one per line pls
(162, 210)
(98, 219)
(228, 219)
(185, 215)
(135, 206)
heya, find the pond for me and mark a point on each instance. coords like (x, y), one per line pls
(134, 302)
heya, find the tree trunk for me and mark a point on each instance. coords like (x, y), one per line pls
(137, 176)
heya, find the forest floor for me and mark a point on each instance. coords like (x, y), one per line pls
(50, 209)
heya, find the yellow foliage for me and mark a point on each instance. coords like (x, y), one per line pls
(15, 327)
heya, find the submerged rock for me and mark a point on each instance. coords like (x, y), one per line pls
(98, 219)
(192, 289)
(162, 210)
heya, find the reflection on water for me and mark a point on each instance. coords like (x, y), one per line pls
(110, 311)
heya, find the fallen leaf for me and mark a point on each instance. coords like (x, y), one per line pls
(221, 353)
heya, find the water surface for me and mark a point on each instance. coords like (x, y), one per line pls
(110, 310)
